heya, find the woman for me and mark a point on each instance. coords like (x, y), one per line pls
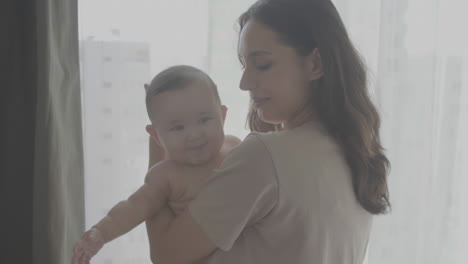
(306, 191)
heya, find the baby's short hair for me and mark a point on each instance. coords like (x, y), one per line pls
(177, 77)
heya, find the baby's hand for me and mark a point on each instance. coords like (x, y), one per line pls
(91, 242)
(184, 189)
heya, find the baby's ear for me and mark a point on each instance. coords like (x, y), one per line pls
(153, 134)
(146, 86)
(224, 110)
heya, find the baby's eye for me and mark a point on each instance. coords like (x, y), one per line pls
(177, 128)
(204, 120)
(264, 67)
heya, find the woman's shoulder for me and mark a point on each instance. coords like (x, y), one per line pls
(251, 146)
(257, 145)
(252, 154)
(309, 138)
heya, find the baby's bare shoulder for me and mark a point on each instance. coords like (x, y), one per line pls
(177, 176)
(162, 171)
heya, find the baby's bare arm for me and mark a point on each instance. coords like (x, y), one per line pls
(140, 206)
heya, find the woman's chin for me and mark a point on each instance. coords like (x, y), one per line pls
(268, 118)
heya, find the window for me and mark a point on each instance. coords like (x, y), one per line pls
(107, 84)
(417, 56)
(122, 50)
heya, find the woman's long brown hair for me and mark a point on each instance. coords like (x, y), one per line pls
(341, 98)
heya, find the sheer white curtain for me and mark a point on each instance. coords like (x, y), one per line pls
(417, 56)
(417, 53)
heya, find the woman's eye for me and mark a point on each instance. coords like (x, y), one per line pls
(177, 128)
(264, 67)
(204, 120)
(242, 63)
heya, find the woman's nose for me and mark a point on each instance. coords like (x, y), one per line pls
(244, 84)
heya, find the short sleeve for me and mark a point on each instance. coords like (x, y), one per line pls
(241, 192)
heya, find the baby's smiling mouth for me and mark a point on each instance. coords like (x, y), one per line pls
(197, 147)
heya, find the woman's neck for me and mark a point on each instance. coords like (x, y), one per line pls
(299, 119)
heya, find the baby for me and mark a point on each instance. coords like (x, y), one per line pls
(187, 120)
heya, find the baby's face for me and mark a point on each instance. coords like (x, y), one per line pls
(189, 123)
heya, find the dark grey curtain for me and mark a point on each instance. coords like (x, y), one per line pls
(41, 165)
(17, 107)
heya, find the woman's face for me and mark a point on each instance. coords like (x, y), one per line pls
(278, 79)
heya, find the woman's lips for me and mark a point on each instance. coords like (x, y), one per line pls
(259, 101)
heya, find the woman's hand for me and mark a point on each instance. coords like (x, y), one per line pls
(89, 245)
(156, 153)
(179, 206)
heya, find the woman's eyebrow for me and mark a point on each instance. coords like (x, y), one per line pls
(259, 53)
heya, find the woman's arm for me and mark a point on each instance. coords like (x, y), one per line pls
(177, 239)
(243, 189)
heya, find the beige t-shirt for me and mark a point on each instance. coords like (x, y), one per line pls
(283, 197)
